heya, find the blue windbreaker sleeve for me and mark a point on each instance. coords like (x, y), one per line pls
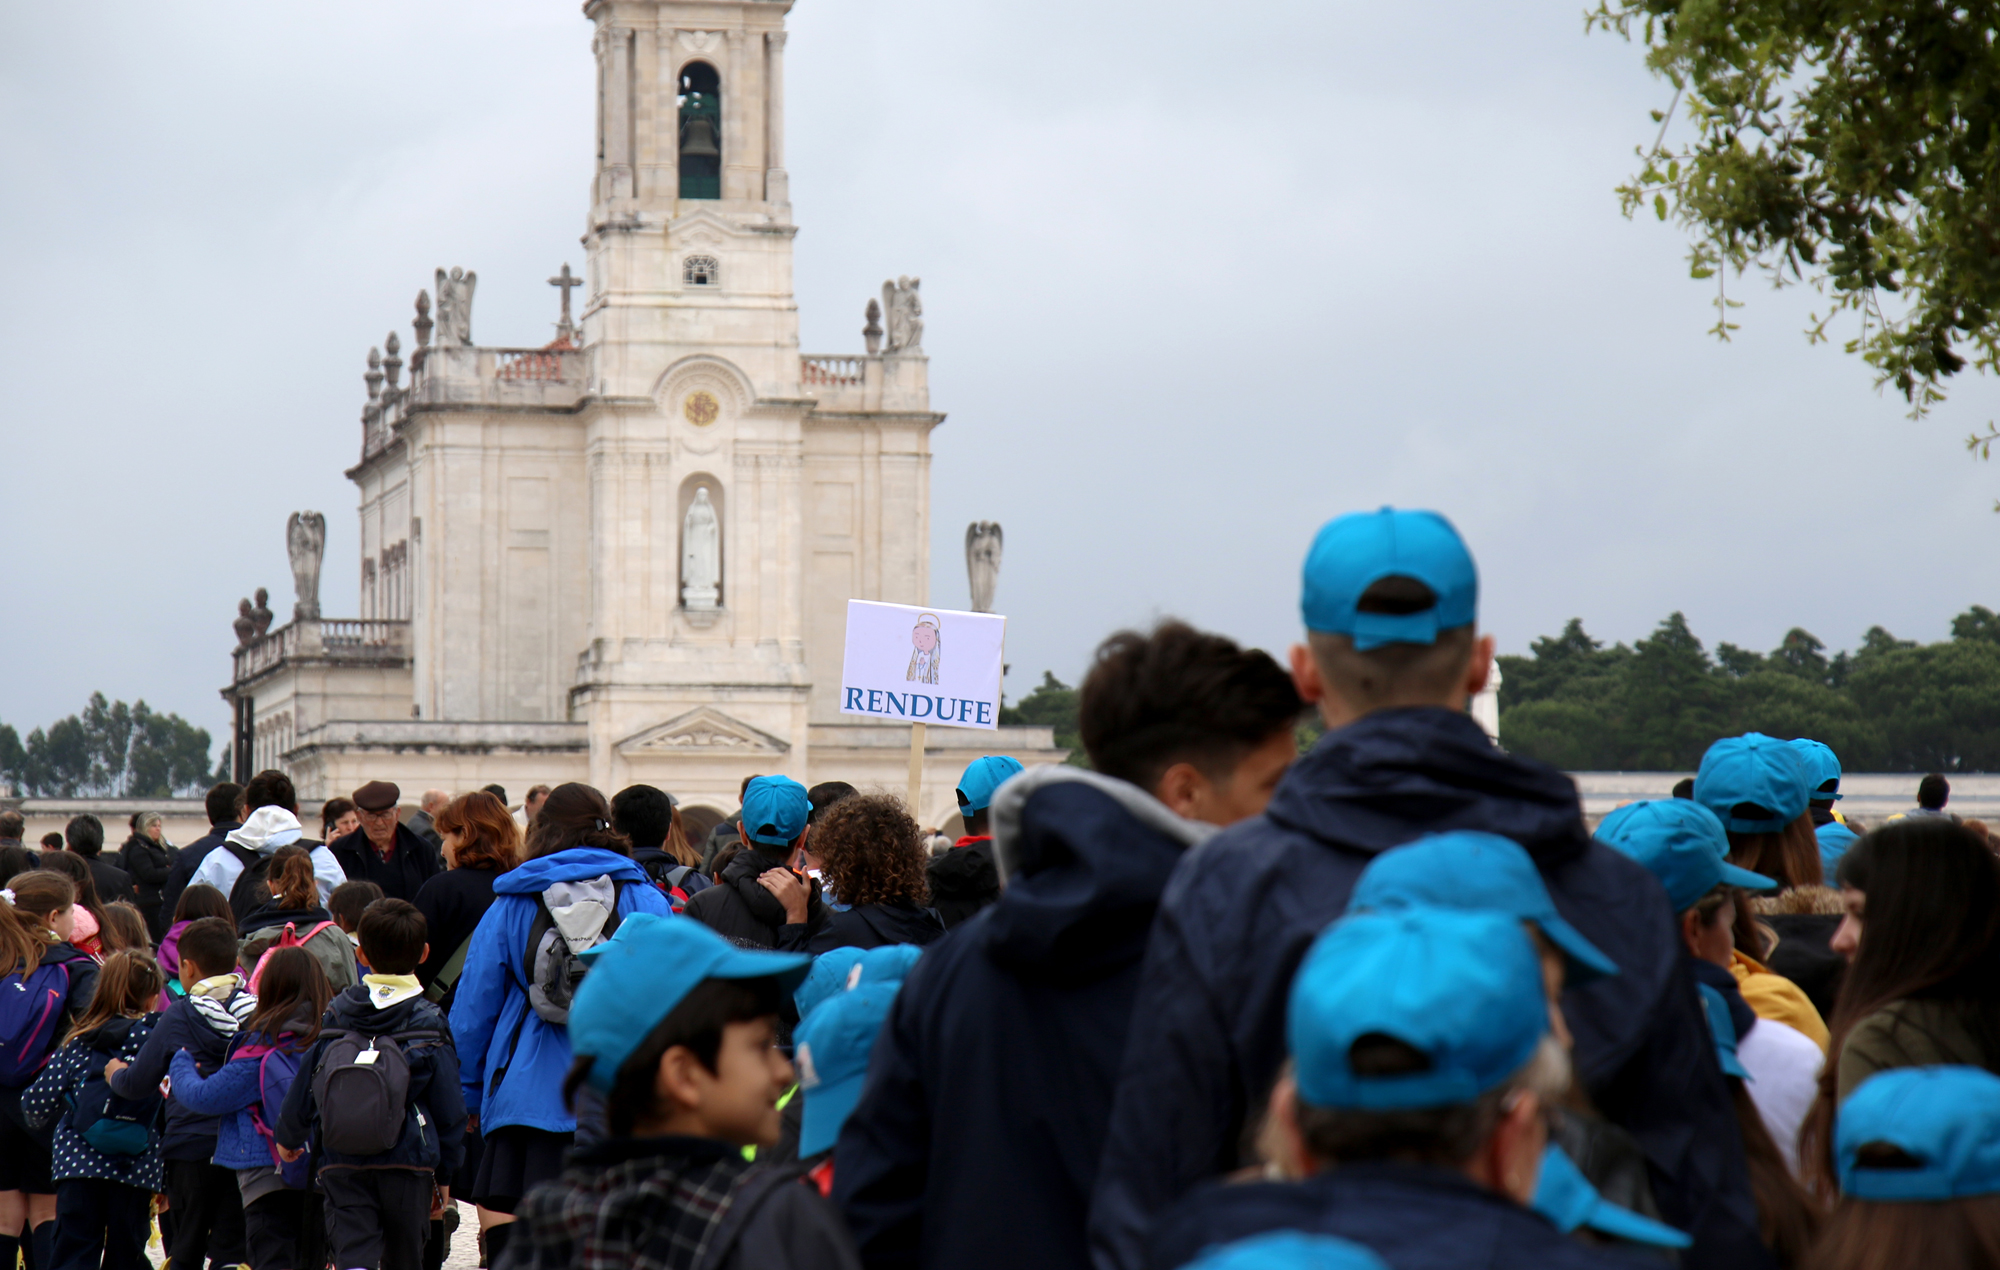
(642, 899)
(884, 1149)
(483, 986)
(41, 1101)
(234, 1086)
(142, 1079)
(1175, 1113)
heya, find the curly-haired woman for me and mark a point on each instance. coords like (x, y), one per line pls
(873, 858)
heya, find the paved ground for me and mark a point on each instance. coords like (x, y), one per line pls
(464, 1253)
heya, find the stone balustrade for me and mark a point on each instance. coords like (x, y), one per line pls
(820, 372)
(336, 639)
(867, 383)
(533, 364)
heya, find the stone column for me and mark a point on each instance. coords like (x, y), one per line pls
(618, 113)
(777, 185)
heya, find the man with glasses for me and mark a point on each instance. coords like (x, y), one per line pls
(384, 850)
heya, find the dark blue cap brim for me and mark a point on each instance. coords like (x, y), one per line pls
(1585, 961)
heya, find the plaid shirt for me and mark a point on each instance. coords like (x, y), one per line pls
(628, 1204)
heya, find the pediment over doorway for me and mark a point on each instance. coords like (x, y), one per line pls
(703, 730)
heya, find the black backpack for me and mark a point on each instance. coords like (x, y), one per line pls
(550, 969)
(250, 891)
(362, 1085)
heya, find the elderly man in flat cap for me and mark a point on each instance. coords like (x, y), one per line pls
(384, 850)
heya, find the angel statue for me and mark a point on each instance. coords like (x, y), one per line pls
(982, 562)
(305, 543)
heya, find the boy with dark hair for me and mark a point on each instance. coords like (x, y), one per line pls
(964, 879)
(204, 1199)
(676, 1029)
(1027, 1003)
(348, 902)
(645, 814)
(1392, 657)
(379, 1148)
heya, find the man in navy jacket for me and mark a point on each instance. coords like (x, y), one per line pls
(1390, 600)
(976, 1140)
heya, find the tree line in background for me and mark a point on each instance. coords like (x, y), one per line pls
(1889, 706)
(111, 750)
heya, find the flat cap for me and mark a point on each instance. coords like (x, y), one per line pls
(377, 796)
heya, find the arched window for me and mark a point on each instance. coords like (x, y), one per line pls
(700, 103)
(701, 271)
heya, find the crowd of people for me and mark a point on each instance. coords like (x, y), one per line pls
(1207, 1001)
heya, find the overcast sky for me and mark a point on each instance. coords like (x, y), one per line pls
(1191, 288)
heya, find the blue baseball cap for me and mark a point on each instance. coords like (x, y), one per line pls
(775, 809)
(642, 972)
(1834, 840)
(983, 776)
(1754, 768)
(1467, 869)
(1462, 988)
(832, 1057)
(1723, 1029)
(1354, 552)
(1824, 766)
(1288, 1250)
(1566, 1197)
(1682, 843)
(843, 969)
(1947, 1119)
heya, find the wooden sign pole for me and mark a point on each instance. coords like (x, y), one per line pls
(916, 767)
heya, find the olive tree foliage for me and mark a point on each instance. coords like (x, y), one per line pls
(1853, 145)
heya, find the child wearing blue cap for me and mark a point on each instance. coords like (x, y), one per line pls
(759, 900)
(677, 1028)
(964, 879)
(1392, 656)
(1919, 1158)
(1423, 1065)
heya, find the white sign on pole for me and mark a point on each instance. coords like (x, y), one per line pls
(913, 665)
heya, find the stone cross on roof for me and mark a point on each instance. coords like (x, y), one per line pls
(565, 280)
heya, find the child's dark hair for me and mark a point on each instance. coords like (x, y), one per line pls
(124, 928)
(202, 900)
(125, 988)
(290, 985)
(209, 945)
(350, 900)
(392, 936)
(695, 1024)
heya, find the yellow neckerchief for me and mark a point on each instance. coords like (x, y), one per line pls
(386, 990)
(217, 987)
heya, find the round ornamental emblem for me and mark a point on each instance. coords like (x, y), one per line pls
(701, 408)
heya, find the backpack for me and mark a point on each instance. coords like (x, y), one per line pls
(109, 1124)
(569, 917)
(277, 1068)
(250, 891)
(31, 1016)
(667, 876)
(368, 1079)
(287, 938)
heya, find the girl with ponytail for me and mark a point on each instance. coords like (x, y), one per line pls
(37, 919)
(294, 906)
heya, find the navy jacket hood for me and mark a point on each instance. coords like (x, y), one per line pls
(1392, 774)
(1085, 858)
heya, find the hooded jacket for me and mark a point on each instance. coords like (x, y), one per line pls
(744, 913)
(190, 1134)
(318, 934)
(414, 862)
(977, 1136)
(1413, 1217)
(433, 1113)
(1208, 1035)
(873, 925)
(512, 1060)
(267, 829)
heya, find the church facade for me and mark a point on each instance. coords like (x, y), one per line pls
(625, 556)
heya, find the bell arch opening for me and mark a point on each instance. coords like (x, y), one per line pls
(700, 102)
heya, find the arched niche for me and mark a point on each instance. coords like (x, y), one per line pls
(701, 481)
(700, 146)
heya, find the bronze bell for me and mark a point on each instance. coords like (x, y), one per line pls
(698, 137)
